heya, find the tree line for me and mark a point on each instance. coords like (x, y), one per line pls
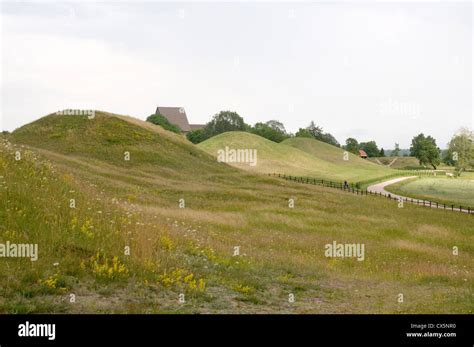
(225, 121)
(460, 153)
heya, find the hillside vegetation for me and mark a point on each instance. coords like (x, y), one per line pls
(297, 156)
(399, 162)
(181, 215)
(357, 168)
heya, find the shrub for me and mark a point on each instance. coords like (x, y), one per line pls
(196, 136)
(160, 120)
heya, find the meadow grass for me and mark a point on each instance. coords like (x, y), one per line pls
(191, 250)
(400, 162)
(441, 189)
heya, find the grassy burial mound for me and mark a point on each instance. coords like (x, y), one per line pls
(356, 168)
(297, 156)
(136, 236)
(399, 162)
(271, 157)
(107, 138)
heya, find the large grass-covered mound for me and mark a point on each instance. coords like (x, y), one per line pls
(109, 137)
(297, 156)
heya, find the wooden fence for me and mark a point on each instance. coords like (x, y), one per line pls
(352, 188)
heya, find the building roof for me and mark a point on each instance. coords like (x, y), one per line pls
(196, 126)
(175, 115)
(362, 153)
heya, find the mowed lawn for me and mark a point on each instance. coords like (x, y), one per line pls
(188, 246)
(445, 190)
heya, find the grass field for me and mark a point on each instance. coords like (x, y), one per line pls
(400, 162)
(190, 249)
(441, 189)
(297, 156)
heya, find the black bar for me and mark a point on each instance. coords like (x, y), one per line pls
(354, 330)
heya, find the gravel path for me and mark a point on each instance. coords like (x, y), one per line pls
(379, 188)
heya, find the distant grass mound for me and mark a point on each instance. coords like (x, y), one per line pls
(406, 163)
(143, 232)
(298, 156)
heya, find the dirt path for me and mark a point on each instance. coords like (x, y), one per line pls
(379, 188)
(393, 161)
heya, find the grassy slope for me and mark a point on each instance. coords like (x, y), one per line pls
(108, 137)
(400, 163)
(356, 168)
(444, 190)
(305, 157)
(136, 204)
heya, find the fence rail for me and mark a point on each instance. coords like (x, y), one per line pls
(351, 188)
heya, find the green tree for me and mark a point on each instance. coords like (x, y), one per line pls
(303, 132)
(317, 133)
(382, 152)
(425, 150)
(271, 130)
(196, 136)
(328, 138)
(370, 148)
(160, 120)
(225, 121)
(396, 151)
(461, 150)
(352, 145)
(276, 125)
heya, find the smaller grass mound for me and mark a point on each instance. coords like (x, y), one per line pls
(403, 163)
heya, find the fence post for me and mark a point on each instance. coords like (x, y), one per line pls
(452, 207)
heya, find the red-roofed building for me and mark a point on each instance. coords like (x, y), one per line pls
(362, 154)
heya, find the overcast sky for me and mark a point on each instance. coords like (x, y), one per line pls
(372, 70)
